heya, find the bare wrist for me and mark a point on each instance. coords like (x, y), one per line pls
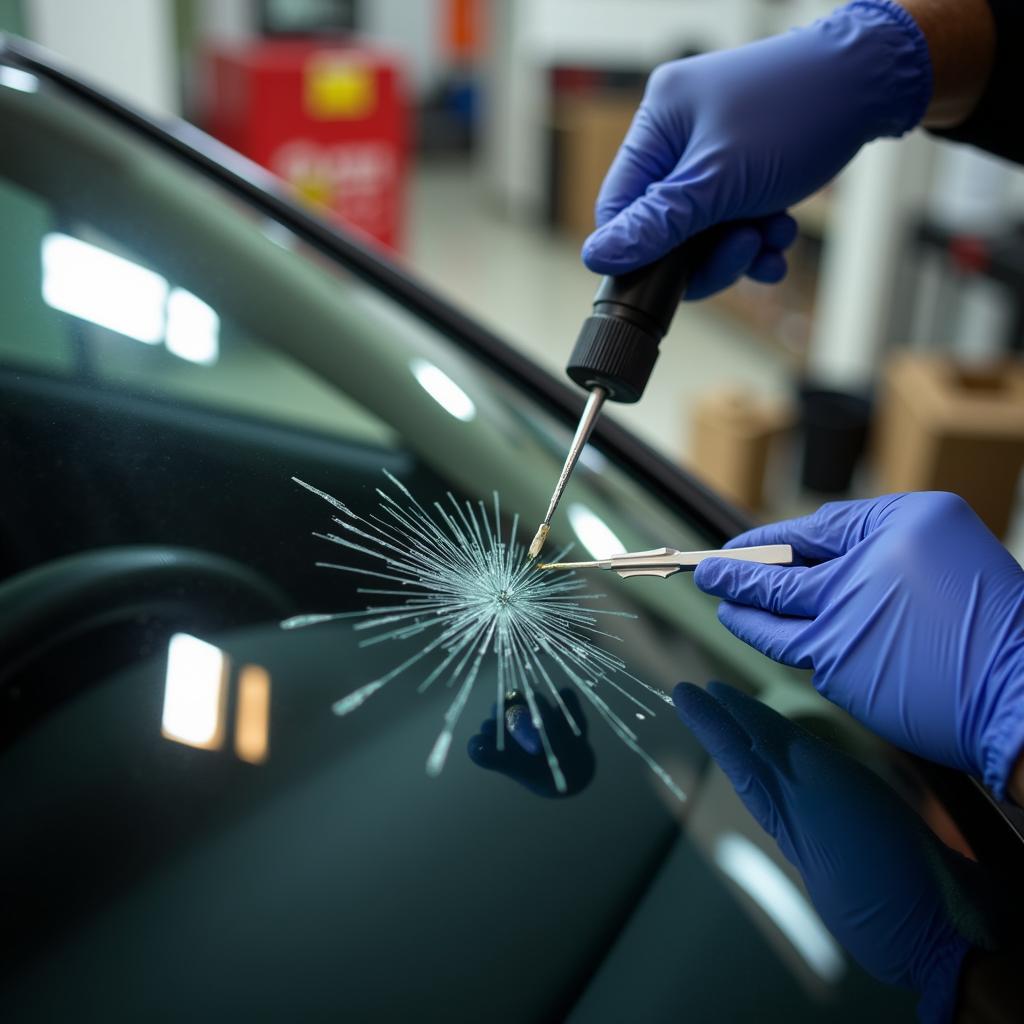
(961, 42)
(990, 990)
(1015, 787)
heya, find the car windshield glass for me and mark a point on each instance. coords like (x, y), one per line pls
(198, 408)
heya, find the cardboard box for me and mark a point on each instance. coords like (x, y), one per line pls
(588, 131)
(732, 435)
(948, 427)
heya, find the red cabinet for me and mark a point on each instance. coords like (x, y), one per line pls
(331, 120)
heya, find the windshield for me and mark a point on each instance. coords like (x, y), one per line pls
(204, 418)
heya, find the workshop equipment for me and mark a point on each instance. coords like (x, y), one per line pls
(835, 427)
(329, 116)
(665, 562)
(618, 345)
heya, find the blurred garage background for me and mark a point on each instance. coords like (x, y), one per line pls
(467, 139)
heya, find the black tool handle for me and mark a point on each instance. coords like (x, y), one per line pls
(618, 343)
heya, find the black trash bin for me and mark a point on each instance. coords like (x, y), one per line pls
(835, 429)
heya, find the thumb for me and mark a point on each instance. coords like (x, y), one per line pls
(519, 722)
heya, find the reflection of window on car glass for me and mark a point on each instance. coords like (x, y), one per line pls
(193, 350)
(78, 301)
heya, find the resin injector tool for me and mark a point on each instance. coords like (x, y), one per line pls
(618, 345)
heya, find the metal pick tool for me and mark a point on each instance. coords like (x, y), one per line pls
(665, 562)
(586, 426)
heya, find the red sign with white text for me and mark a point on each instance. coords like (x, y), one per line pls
(331, 120)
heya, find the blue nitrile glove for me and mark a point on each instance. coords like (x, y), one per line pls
(913, 621)
(523, 757)
(884, 885)
(739, 135)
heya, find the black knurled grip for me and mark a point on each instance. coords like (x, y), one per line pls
(615, 354)
(618, 344)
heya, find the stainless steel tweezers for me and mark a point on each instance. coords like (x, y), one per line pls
(665, 562)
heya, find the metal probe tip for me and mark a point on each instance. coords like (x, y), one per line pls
(587, 420)
(538, 541)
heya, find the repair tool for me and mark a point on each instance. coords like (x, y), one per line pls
(618, 344)
(665, 562)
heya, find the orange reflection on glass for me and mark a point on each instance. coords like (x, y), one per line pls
(252, 718)
(195, 693)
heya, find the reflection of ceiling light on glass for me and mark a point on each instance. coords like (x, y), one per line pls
(91, 283)
(593, 459)
(14, 78)
(594, 533)
(192, 328)
(95, 285)
(195, 694)
(278, 234)
(252, 718)
(768, 886)
(443, 390)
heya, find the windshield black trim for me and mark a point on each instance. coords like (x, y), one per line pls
(710, 512)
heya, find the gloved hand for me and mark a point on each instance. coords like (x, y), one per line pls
(881, 881)
(523, 757)
(913, 621)
(739, 135)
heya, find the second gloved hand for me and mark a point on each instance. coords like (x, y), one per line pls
(896, 898)
(912, 620)
(739, 135)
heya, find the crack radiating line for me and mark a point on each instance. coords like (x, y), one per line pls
(478, 594)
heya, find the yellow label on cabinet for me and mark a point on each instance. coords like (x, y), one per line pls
(314, 191)
(339, 89)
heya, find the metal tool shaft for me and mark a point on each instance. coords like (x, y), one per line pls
(583, 431)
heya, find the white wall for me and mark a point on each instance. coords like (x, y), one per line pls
(126, 46)
(610, 33)
(413, 29)
(875, 198)
(227, 21)
(409, 27)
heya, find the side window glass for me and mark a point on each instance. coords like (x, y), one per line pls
(143, 331)
(31, 334)
(76, 302)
